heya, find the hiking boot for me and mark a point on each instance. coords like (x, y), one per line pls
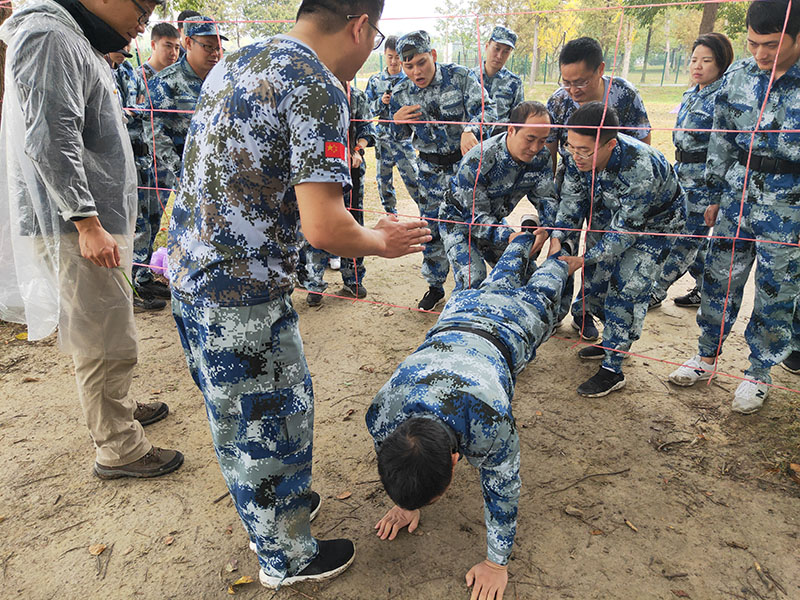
(147, 303)
(692, 371)
(314, 299)
(602, 383)
(150, 413)
(154, 289)
(585, 326)
(355, 290)
(792, 362)
(158, 461)
(335, 263)
(333, 558)
(690, 300)
(654, 302)
(596, 353)
(749, 397)
(431, 298)
(316, 502)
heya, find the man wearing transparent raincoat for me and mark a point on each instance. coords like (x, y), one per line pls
(67, 212)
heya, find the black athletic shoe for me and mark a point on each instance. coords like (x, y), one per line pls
(333, 558)
(655, 302)
(602, 383)
(792, 362)
(587, 329)
(431, 298)
(592, 353)
(690, 300)
(356, 291)
(313, 299)
(154, 289)
(147, 303)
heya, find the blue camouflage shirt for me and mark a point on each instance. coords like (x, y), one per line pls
(622, 97)
(737, 107)
(377, 86)
(361, 121)
(696, 115)
(272, 116)
(638, 191)
(505, 88)
(501, 184)
(454, 94)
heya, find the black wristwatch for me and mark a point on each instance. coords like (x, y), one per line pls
(360, 150)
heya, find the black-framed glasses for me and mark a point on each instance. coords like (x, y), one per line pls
(144, 18)
(575, 85)
(207, 47)
(379, 37)
(579, 154)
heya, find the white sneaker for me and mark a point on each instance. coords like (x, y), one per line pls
(335, 263)
(749, 397)
(692, 371)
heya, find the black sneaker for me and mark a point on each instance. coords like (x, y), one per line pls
(333, 558)
(587, 329)
(151, 412)
(314, 299)
(602, 383)
(356, 291)
(792, 362)
(159, 461)
(147, 303)
(596, 353)
(154, 289)
(431, 298)
(655, 302)
(690, 300)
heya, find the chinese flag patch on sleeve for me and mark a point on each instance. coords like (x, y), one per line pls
(334, 150)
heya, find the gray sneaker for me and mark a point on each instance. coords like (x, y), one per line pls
(158, 461)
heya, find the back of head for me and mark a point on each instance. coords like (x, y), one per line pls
(164, 30)
(584, 49)
(390, 43)
(525, 110)
(185, 14)
(768, 16)
(720, 47)
(323, 11)
(415, 463)
(589, 117)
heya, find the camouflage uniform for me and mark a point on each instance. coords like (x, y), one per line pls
(463, 381)
(688, 253)
(390, 152)
(770, 212)
(637, 191)
(454, 94)
(505, 88)
(271, 117)
(352, 270)
(485, 198)
(148, 71)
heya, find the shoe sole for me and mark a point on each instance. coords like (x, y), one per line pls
(437, 303)
(686, 383)
(116, 473)
(742, 411)
(577, 328)
(617, 386)
(345, 291)
(601, 356)
(795, 371)
(158, 416)
(274, 582)
(311, 517)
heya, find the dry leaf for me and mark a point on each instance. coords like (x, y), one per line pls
(29, 379)
(344, 495)
(168, 540)
(229, 529)
(793, 471)
(22, 336)
(348, 414)
(573, 512)
(631, 525)
(243, 580)
(2, 519)
(233, 565)
(96, 549)
(538, 413)
(366, 368)
(680, 594)
(596, 532)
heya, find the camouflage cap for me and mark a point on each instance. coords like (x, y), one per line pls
(199, 26)
(503, 35)
(411, 44)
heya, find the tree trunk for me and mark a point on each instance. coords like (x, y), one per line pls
(535, 57)
(646, 53)
(667, 50)
(626, 57)
(709, 18)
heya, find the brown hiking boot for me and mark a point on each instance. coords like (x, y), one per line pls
(150, 412)
(159, 461)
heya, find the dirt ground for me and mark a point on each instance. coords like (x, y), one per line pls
(651, 493)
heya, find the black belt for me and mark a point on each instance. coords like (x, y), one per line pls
(690, 157)
(443, 160)
(766, 164)
(501, 347)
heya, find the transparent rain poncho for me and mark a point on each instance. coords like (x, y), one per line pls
(64, 152)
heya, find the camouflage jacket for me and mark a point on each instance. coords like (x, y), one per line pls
(361, 124)
(505, 88)
(379, 84)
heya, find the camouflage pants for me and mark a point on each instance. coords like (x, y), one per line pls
(769, 332)
(148, 224)
(618, 293)
(434, 182)
(391, 153)
(248, 362)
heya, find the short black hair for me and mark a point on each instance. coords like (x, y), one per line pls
(524, 110)
(589, 117)
(584, 49)
(415, 462)
(164, 30)
(390, 43)
(720, 47)
(342, 8)
(186, 14)
(767, 16)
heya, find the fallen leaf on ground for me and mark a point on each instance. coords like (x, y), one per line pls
(680, 594)
(229, 529)
(344, 495)
(596, 532)
(29, 379)
(232, 565)
(96, 549)
(538, 413)
(573, 511)
(22, 336)
(168, 540)
(243, 580)
(366, 368)
(348, 414)
(631, 525)
(793, 471)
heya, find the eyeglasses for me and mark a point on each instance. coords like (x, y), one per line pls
(582, 155)
(207, 47)
(144, 18)
(379, 37)
(575, 85)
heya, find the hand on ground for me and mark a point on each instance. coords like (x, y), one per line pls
(488, 581)
(394, 520)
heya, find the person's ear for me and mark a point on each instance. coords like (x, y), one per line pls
(433, 55)
(454, 458)
(612, 144)
(602, 68)
(359, 26)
